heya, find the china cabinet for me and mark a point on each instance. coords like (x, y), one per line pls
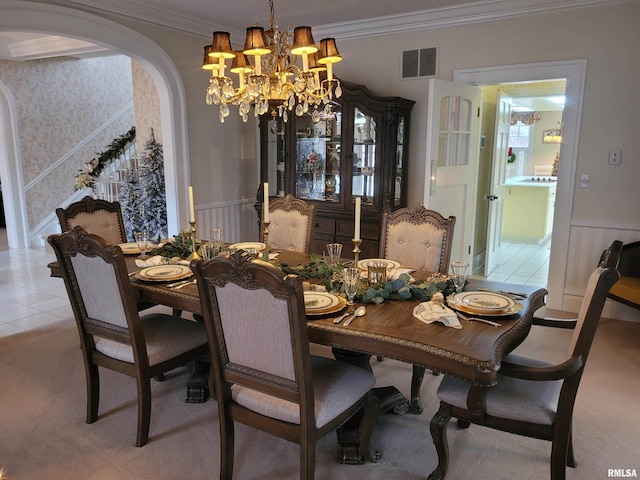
(359, 150)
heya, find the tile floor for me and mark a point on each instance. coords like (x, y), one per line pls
(32, 299)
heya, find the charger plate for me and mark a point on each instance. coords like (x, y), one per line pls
(322, 303)
(164, 273)
(454, 302)
(248, 245)
(390, 263)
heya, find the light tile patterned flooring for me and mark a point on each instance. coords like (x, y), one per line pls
(31, 299)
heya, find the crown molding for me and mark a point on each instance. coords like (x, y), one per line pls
(471, 12)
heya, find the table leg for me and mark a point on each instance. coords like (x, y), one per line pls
(197, 384)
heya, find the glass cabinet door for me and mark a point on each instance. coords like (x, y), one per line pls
(318, 157)
(397, 190)
(275, 157)
(364, 157)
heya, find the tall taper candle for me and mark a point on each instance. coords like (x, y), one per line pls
(192, 213)
(356, 235)
(265, 204)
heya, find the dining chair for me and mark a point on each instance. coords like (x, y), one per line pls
(532, 397)
(271, 382)
(112, 334)
(96, 216)
(291, 224)
(417, 238)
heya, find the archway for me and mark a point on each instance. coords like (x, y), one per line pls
(55, 20)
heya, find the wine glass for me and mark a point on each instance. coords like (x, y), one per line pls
(142, 239)
(459, 270)
(216, 236)
(350, 277)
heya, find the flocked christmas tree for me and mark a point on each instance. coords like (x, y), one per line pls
(143, 196)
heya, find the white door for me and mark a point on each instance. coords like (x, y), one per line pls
(453, 142)
(498, 175)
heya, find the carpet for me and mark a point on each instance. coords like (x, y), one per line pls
(43, 435)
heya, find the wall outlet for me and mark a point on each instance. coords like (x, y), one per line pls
(584, 181)
(615, 156)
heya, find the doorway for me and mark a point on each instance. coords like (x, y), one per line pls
(574, 72)
(522, 122)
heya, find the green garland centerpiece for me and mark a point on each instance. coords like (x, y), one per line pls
(402, 288)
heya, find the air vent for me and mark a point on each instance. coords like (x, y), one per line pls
(419, 63)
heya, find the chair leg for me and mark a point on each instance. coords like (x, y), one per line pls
(93, 391)
(144, 410)
(438, 429)
(416, 382)
(571, 461)
(307, 458)
(226, 445)
(559, 456)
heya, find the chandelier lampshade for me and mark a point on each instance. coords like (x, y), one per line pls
(274, 81)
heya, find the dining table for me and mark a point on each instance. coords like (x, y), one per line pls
(390, 330)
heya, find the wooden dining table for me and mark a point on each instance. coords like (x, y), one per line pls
(390, 330)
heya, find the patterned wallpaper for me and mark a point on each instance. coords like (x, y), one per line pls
(62, 101)
(146, 105)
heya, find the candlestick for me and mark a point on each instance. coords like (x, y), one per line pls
(357, 226)
(194, 254)
(356, 251)
(192, 213)
(265, 236)
(265, 203)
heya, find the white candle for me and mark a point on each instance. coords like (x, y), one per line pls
(265, 204)
(192, 213)
(356, 235)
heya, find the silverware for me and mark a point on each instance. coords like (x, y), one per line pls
(360, 311)
(180, 284)
(342, 317)
(132, 274)
(476, 319)
(504, 292)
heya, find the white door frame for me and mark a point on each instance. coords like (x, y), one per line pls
(42, 18)
(574, 71)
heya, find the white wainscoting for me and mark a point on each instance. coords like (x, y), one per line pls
(586, 243)
(238, 218)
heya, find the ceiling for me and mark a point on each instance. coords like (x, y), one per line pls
(337, 18)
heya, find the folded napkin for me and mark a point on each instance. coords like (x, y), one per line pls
(158, 260)
(312, 287)
(436, 311)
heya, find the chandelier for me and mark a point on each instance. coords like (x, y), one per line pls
(273, 81)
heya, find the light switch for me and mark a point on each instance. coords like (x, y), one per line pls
(584, 181)
(615, 156)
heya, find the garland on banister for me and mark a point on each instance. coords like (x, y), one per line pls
(402, 288)
(92, 169)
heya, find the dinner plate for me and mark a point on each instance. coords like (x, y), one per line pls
(164, 273)
(512, 310)
(248, 245)
(130, 248)
(390, 263)
(484, 302)
(322, 303)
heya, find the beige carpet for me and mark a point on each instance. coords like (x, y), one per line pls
(43, 435)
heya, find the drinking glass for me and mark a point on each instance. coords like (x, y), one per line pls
(216, 236)
(142, 239)
(377, 274)
(209, 250)
(334, 250)
(459, 270)
(350, 277)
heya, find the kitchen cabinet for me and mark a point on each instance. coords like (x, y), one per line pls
(359, 150)
(528, 212)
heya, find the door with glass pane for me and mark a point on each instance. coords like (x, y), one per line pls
(453, 142)
(364, 165)
(319, 157)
